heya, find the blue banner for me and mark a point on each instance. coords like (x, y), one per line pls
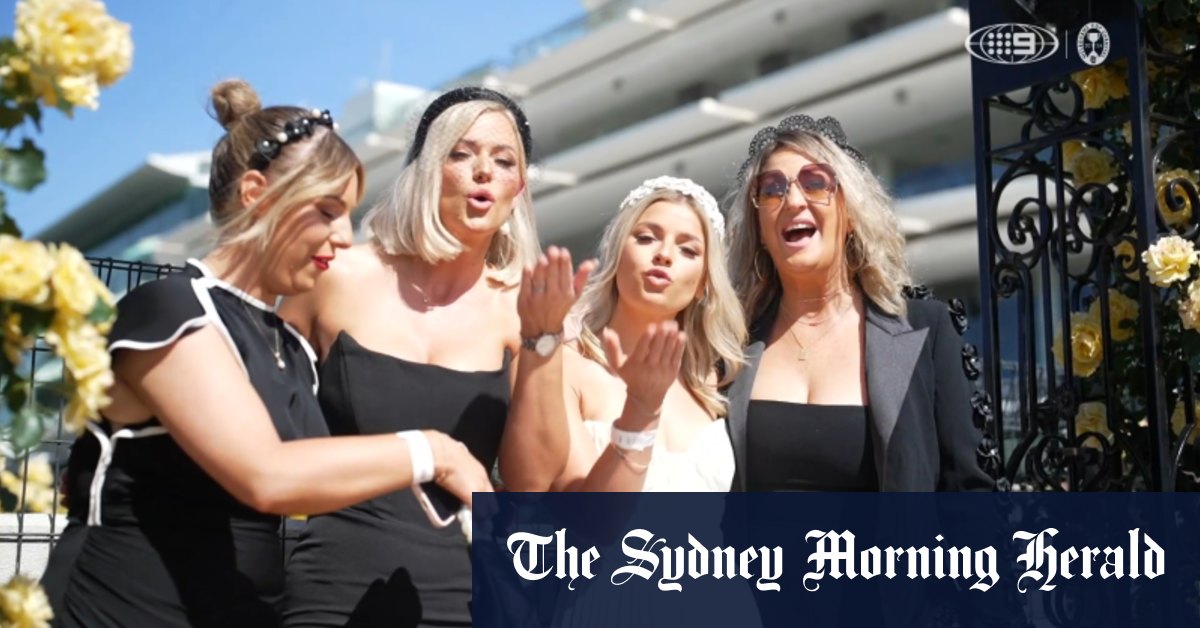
(827, 559)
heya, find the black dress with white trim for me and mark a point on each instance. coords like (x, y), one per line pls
(153, 540)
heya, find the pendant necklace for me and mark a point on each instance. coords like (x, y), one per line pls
(803, 353)
(277, 351)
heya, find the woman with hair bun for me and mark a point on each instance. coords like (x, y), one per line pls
(176, 494)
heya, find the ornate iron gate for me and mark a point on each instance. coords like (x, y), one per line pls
(1098, 363)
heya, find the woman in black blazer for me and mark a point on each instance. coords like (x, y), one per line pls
(849, 385)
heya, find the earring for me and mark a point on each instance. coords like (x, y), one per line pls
(856, 257)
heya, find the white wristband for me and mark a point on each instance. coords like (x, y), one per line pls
(633, 441)
(421, 455)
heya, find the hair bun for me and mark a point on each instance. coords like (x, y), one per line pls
(233, 100)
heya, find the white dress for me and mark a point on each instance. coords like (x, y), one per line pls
(706, 465)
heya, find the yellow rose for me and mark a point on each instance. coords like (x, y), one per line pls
(1118, 81)
(1189, 307)
(1120, 309)
(15, 343)
(83, 349)
(1070, 149)
(1092, 165)
(1177, 421)
(115, 56)
(1100, 85)
(1092, 417)
(1169, 260)
(89, 367)
(76, 287)
(90, 396)
(1180, 217)
(80, 91)
(1087, 344)
(72, 45)
(24, 604)
(25, 268)
(1124, 249)
(38, 486)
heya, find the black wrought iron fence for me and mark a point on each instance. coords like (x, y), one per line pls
(31, 491)
(1072, 167)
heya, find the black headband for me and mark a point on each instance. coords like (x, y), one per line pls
(468, 94)
(827, 127)
(293, 131)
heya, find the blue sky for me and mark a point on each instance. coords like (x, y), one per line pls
(303, 52)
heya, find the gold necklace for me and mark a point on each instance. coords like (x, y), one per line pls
(792, 329)
(429, 305)
(278, 351)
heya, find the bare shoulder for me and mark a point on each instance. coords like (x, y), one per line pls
(351, 263)
(503, 298)
(581, 370)
(317, 310)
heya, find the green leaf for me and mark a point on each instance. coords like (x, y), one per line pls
(23, 168)
(8, 48)
(28, 426)
(1176, 10)
(101, 312)
(33, 111)
(1191, 348)
(8, 226)
(16, 393)
(34, 322)
(10, 117)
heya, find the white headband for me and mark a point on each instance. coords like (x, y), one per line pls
(687, 187)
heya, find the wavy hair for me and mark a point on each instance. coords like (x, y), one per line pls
(407, 221)
(876, 263)
(714, 324)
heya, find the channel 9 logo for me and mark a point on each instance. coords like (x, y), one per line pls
(1012, 44)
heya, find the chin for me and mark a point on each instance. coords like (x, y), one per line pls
(659, 304)
(302, 282)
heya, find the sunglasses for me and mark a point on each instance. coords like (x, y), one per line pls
(817, 183)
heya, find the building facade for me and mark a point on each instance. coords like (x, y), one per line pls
(639, 88)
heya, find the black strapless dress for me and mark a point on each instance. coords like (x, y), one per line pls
(152, 539)
(381, 563)
(808, 447)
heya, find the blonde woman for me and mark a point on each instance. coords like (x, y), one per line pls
(661, 332)
(176, 494)
(849, 386)
(446, 319)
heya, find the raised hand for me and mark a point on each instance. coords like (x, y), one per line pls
(650, 369)
(549, 289)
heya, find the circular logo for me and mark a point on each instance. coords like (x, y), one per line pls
(1012, 44)
(1093, 43)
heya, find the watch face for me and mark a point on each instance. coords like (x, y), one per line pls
(545, 345)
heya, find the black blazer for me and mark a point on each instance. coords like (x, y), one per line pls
(922, 431)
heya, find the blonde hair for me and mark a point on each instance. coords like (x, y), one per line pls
(303, 170)
(878, 265)
(715, 325)
(407, 221)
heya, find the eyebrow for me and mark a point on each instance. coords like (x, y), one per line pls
(475, 145)
(657, 228)
(331, 197)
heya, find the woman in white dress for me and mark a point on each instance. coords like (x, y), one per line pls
(661, 332)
